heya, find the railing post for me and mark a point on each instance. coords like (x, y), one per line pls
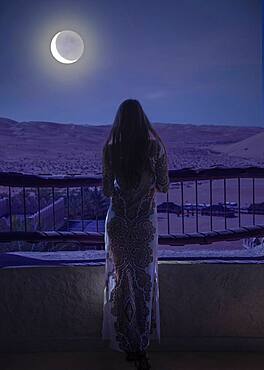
(82, 207)
(53, 208)
(182, 207)
(211, 204)
(96, 221)
(168, 214)
(239, 202)
(10, 209)
(68, 209)
(225, 201)
(39, 208)
(24, 206)
(253, 200)
(196, 205)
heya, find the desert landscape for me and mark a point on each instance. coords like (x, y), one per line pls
(60, 148)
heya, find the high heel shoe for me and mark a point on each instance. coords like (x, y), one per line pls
(142, 361)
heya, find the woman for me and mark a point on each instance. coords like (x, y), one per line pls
(134, 168)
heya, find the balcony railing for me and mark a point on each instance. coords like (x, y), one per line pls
(13, 180)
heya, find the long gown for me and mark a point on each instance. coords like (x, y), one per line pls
(131, 316)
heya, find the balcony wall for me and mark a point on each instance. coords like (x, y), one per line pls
(203, 306)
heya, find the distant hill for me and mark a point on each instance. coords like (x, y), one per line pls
(47, 147)
(251, 147)
(48, 139)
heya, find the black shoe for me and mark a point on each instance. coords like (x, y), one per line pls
(142, 362)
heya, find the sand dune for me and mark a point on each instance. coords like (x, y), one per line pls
(47, 147)
(252, 147)
(57, 148)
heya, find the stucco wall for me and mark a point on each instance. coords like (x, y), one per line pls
(203, 306)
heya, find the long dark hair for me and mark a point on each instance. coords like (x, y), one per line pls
(130, 135)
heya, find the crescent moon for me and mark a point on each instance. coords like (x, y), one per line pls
(56, 54)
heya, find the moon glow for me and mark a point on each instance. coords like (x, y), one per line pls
(67, 47)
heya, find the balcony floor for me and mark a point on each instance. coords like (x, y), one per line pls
(112, 360)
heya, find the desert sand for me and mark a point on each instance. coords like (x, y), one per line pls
(58, 148)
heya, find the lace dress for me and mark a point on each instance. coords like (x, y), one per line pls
(131, 315)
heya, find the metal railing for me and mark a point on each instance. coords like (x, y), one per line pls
(14, 179)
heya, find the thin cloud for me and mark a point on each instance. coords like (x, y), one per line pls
(155, 95)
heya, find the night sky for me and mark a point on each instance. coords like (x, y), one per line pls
(187, 61)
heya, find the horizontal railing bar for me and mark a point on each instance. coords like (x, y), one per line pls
(214, 173)
(212, 259)
(163, 239)
(59, 236)
(17, 179)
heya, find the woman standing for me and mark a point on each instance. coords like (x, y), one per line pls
(134, 169)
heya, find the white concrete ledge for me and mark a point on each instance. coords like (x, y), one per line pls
(203, 307)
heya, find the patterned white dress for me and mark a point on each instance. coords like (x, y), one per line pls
(131, 315)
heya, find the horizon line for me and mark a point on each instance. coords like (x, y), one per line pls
(153, 123)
